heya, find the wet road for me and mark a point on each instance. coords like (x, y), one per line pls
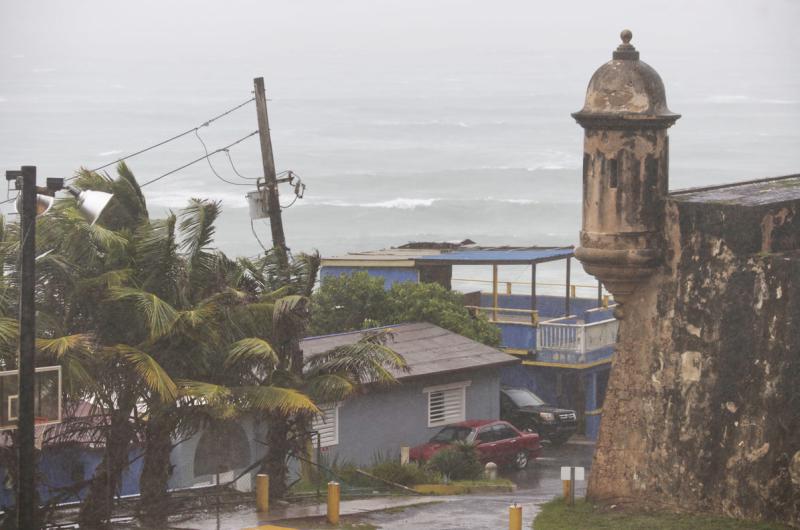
(537, 484)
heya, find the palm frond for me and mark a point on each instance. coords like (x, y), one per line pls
(275, 399)
(159, 316)
(108, 279)
(60, 346)
(367, 361)
(151, 373)
(9, 330)
(207, 392)
(250, 350)
(329, 387)
(197, 230)
(290, 312)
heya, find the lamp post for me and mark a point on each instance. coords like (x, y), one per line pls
(30, 204)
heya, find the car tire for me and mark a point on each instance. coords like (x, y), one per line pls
(521, 460)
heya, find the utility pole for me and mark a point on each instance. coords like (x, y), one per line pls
(26, 456)
(270, 178)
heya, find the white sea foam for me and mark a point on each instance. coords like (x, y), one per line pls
(727, 98)
(549, 165)
(401, 203)
(519, 201)
(177, 199)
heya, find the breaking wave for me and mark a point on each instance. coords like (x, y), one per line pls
(403, 203)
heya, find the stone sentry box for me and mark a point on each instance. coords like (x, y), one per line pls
(702, 411)
(625, 171)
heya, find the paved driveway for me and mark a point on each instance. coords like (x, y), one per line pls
(537, 484)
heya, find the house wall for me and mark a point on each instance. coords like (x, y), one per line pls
(517, 336)
(65, 465)
(547, 305)
(381, 422)
(390, 275)
(183, 456)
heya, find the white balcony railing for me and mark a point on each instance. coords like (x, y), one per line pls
(579, 338)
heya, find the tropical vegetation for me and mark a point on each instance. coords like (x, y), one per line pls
(161, 335)
(359, 301)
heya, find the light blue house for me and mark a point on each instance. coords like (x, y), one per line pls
(450, 379)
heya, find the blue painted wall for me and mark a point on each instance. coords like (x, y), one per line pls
(65, 465)
(548, 306)
(518, 336)
(390, 275)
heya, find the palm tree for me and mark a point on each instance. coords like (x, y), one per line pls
(330, 376)
(77, 327)
(191, 305)
(164, 335)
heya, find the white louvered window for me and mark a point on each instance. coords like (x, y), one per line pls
(327, 424)
(447, 404)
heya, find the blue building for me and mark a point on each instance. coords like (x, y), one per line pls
(565, 342)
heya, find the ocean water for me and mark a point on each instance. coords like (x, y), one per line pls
(407, 120)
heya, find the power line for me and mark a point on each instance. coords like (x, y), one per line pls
(163, 142)
(210, 165)
(253, 229)
(181, 135)
(228, 154)
(200, 159)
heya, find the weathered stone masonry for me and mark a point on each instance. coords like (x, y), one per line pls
(703, 406)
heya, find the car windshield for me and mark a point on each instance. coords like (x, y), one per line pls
(524, 398)
(451, 434)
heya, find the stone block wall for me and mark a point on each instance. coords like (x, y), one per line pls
(703, 405)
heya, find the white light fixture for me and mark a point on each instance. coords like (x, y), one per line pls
(43, 203)
(90, 203)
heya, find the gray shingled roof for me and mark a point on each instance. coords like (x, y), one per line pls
(427, 349)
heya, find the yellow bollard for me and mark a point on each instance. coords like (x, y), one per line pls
(333, 502)
(515, 517)
(262, 493)
(566, 488)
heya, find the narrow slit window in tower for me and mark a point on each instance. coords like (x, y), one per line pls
(613, 172)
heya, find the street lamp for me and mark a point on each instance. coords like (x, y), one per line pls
(30, 204)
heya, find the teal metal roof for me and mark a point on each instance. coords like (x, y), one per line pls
(516, 256)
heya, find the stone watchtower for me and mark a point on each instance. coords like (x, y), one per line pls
(702, 411)
(625, 171)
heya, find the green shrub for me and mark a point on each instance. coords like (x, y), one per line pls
(457, 462)
(405, 474)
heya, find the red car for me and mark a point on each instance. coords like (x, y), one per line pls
(496, 441)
